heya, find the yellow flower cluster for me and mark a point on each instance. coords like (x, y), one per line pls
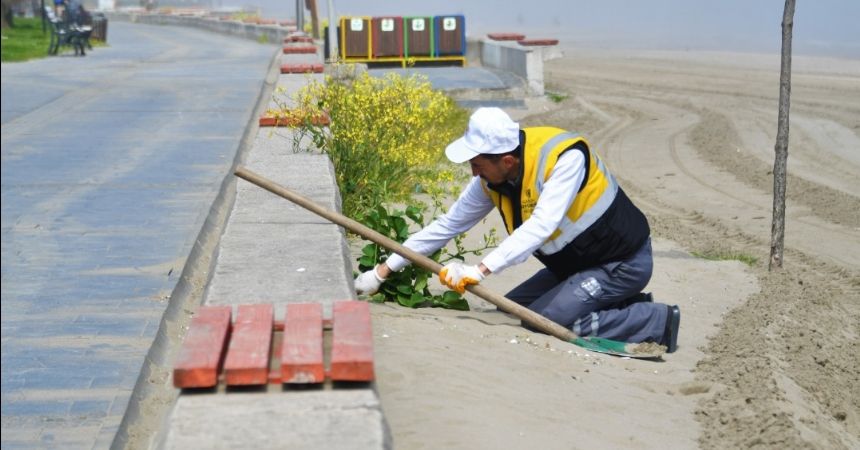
(386, 137)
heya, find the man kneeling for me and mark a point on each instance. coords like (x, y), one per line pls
(560, 203)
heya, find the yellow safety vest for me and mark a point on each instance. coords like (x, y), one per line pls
(543, 147)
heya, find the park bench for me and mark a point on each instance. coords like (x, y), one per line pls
(66, 33)
(256, 350)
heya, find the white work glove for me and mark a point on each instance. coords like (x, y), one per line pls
(368, 282)
(457, 276)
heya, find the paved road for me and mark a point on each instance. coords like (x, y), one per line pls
(109, 166)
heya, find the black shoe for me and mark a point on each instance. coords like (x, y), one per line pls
(638, 298)
(673, 323)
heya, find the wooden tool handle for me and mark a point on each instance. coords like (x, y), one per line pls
(532, 318)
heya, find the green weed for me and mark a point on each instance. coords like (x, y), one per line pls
(409, 287)
(557, 97)
(726, 255)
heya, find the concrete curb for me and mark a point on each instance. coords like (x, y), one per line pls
(153, 388)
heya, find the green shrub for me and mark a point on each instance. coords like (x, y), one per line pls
(409, 287)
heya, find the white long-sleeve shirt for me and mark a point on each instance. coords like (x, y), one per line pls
(474, 204)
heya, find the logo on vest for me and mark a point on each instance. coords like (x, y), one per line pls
(527, 203)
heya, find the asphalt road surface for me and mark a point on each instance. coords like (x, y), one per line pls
(110, 164)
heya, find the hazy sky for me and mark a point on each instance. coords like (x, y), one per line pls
(822, 27)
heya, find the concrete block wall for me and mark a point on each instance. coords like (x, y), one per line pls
(526, 62)
(523, 61)
(274, 34)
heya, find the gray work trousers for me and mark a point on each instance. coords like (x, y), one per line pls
(592, 302)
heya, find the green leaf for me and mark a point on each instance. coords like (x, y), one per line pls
(404, 289)
(450, 296)
(410, 301)
(381, 213)
(371, 221)
(369, 250)
(416, 299)
(405, 300)
(388, 288)
(414, 213)
(401, 228)
(453, 300)
(421, 282)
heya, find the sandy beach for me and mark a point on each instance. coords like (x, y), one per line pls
(765, 359)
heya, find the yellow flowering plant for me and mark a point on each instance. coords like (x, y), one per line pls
(385, 136)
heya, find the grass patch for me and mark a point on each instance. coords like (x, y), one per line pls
(726, 255)
(25, 41)
(556, 97)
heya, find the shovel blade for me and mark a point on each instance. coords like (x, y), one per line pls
(617, 348)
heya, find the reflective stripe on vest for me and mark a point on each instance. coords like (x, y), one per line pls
(570, 229)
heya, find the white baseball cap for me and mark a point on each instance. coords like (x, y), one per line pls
(491, 132)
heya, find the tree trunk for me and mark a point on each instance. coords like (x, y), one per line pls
(315, 21)
(6, 15)
(300, 15)
(777, 235)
